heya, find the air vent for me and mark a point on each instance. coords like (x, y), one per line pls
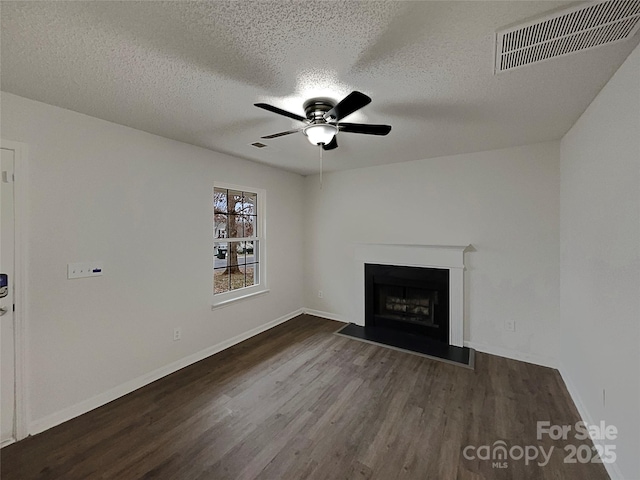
(258, 145)
(586, 26)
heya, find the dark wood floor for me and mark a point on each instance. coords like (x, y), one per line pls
(298, 402)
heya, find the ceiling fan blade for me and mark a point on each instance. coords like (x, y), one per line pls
(367, 129)
(281, 134)
(349, 104)
(331, 145)
(279, 111)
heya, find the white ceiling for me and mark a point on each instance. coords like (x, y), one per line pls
(192, 71)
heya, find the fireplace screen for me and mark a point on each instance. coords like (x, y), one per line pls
(407, 304)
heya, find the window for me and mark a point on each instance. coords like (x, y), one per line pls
(238, 242)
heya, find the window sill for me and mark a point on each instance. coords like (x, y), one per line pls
(227, 302)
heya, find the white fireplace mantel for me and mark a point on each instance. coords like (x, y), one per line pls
(449, 257)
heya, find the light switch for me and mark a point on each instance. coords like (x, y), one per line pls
(84, 269)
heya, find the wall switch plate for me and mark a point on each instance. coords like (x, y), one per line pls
(84, 269)
(320, 294)
(510, 325)
(177, 334)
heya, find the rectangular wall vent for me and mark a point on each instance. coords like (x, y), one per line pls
(258, 145)
(586, 26)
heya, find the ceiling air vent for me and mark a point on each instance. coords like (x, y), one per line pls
(258, 145)
(586, 26)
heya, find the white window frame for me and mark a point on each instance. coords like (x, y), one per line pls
(226, 298)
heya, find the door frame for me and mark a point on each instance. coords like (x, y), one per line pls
(19, 281)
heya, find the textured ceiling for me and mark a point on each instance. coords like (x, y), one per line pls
(192, 71)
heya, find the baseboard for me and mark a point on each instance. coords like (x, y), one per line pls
(612, 468)
(7, 442)
(327, 315)
(513, 354)
(85, 406)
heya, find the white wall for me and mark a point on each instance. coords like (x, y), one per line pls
(142, 205)
(503, 202)
(600, 261)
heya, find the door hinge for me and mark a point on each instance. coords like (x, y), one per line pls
(7, 177)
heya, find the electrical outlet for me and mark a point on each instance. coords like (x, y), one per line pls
(177, 334)
(320, 294)
(510, 325)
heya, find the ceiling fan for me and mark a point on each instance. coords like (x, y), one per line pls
(323, 119)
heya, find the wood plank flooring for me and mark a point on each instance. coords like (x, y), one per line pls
(298, 402)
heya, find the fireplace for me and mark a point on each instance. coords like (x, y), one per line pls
(410, 299)
(436, 257)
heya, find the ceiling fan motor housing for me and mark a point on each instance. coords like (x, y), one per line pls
(315, 109)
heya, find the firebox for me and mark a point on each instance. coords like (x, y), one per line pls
(410, 299)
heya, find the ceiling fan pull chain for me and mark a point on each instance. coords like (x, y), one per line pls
(320, 147)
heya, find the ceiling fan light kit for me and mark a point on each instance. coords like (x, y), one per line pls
(320, 133)
(323, 119)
